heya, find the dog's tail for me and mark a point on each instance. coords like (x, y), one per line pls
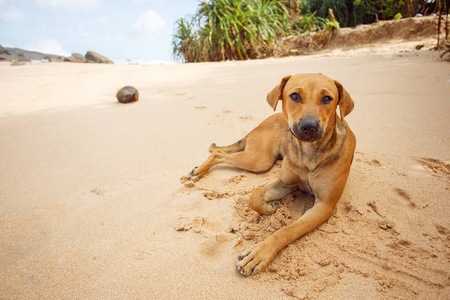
(236, 147)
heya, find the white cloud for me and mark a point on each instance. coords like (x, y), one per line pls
(103, 19)
(12, 14)
(69, 5)
(150, 22)
(47, 45)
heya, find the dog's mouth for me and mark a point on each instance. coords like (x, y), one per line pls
(305, 135)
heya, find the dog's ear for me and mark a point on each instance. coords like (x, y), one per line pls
(275, 94)
(345, 103)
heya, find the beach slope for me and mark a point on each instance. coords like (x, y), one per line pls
(92, 205)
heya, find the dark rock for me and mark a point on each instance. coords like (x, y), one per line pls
(57, 59)
(26, 55)
(127, 94)
(76, 58)
(5, 57)
(16, 54)
(3, 50)
(92, 56)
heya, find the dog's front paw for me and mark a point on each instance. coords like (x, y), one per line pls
(255, 259)
(268, 208)
(262, 207)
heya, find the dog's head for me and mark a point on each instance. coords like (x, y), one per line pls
(309, 104)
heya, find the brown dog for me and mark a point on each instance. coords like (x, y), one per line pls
(316, 146)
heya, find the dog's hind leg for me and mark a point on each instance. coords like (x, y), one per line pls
(254, 161)
(256, 152)
(236, 147)
(215, 158)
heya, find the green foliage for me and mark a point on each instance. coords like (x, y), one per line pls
(242, 29)
(363, 12)
(390, 8)
(229, 29)
(308, 23)
(182, 42)
(350, 13)
(332, 24)
(320, 7)
(347, 12)
(311, 23)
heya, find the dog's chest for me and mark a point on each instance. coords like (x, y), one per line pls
(302, 159)
(309, 156)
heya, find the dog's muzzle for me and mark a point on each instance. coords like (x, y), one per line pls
(307, 130)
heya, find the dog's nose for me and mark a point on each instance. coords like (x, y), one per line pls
(309, 126)
(307, 129)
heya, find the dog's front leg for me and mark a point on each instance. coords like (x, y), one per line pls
(262, 200)
(257, 258)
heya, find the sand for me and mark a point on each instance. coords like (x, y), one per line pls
(92, 206)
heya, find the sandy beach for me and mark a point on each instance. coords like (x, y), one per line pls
(92, 206)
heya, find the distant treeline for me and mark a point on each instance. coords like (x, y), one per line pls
(350, 13)
(243, 29)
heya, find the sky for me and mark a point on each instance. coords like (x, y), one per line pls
(117, 29)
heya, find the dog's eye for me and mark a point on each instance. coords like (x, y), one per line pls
(295, 97)
(326, 99)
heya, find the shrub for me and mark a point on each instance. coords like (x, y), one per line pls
(350, 13)
(229, 29)
(308, 23)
